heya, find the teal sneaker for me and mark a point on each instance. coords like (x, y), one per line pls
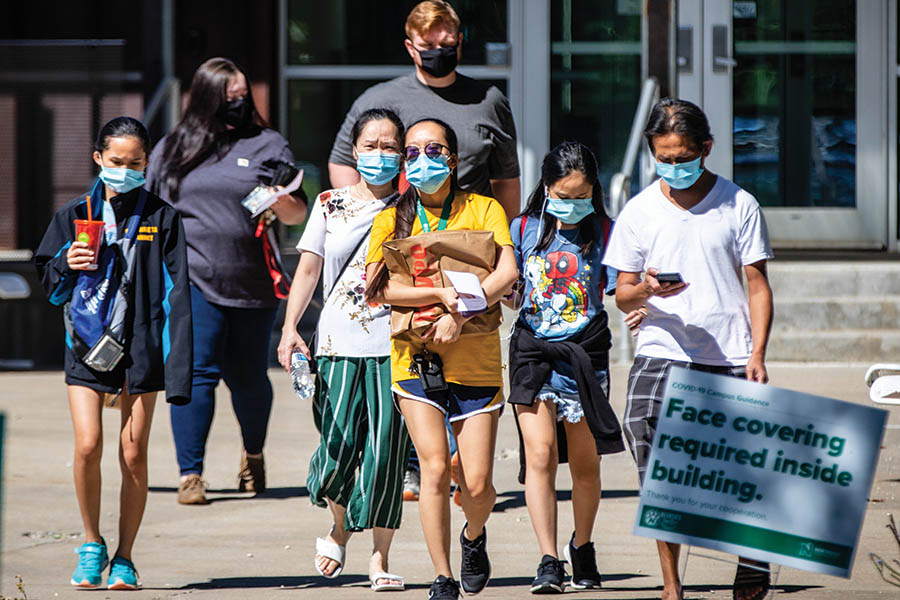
(122, 575)
(92, 559)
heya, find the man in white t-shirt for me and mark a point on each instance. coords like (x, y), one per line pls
(691, 234)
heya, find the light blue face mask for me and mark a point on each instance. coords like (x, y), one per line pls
(681, 175)
(427, 174)
(378, 168)
(120, 179)
(569, 210)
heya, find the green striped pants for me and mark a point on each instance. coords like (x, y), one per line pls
(359, 429)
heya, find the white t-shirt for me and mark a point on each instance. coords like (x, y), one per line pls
(709, 322)
(348, 326)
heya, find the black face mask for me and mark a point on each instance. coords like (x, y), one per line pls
(236, 113)
(439, 62)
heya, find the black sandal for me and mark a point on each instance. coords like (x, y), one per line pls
(747, 578)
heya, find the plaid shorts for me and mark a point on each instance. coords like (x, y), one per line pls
(646, 386)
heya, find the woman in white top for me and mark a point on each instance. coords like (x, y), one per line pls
(360, 428)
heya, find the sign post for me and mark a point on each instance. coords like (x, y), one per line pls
(763, 472)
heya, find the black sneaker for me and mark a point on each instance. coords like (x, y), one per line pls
(476, 568)
(584, 566)
(444, 588)
(550, 577)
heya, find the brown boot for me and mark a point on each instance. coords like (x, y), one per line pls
(252, 476)
(192, 490)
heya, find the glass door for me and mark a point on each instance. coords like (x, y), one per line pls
(595, 77)
(796, 96)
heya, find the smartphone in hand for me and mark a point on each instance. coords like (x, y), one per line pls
(669, 278)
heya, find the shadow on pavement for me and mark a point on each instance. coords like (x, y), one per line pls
(691, 590)
(619, 577)
(279, 493)
(350, 580)
(509, 582)
(510, 500)
(275, 581)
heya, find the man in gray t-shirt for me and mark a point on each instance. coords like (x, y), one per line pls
(478, 112)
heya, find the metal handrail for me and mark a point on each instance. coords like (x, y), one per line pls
(168, 91)
(620, 185)
(620, 188)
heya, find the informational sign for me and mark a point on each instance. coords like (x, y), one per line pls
(759, 471)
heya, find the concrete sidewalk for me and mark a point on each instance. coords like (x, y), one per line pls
(244, 547)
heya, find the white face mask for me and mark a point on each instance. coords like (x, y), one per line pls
(569, 210)
(681, 175)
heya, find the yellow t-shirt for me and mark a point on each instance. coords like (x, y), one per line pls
(474, 359)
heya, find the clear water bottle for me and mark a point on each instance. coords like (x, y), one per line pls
(300, 376)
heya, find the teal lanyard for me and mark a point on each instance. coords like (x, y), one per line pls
(445, 213)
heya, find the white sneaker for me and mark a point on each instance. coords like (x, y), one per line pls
(411, 485)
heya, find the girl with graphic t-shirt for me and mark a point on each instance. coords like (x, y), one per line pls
(357, 469)
(471, 361)
(559, 355)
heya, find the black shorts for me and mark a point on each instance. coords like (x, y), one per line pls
(458, 402)
(77, 373)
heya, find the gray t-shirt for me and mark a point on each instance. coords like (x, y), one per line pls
(225, 258)
(477, 111)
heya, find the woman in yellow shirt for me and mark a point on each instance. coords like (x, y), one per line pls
(471, 361)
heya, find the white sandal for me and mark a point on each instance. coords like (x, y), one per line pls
(335, 552)
(391, 586)
(885, 390)
(881, 370)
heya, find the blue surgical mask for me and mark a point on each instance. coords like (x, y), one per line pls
(570, 210)
(120, 179)
(427, 174)
(681, 175)
(378, 168)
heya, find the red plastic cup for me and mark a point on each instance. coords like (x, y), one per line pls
(90, 232)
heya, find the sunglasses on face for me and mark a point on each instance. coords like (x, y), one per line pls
(432, 150)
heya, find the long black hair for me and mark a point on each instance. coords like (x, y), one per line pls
(406, 206)
(560, 162)
(122, 127)
(673, 115)
(201, 131)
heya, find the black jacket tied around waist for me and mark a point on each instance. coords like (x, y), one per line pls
(531, 361)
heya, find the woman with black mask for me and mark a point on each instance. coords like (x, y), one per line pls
(219, 153)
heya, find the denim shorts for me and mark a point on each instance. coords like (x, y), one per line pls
(568, 404)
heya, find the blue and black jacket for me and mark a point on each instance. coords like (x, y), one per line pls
(160, 341)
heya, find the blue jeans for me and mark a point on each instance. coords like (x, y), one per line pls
(230, 344)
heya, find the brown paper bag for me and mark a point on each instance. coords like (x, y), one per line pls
(420, 261)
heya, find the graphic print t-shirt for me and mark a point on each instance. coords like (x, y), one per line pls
(562, 287)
